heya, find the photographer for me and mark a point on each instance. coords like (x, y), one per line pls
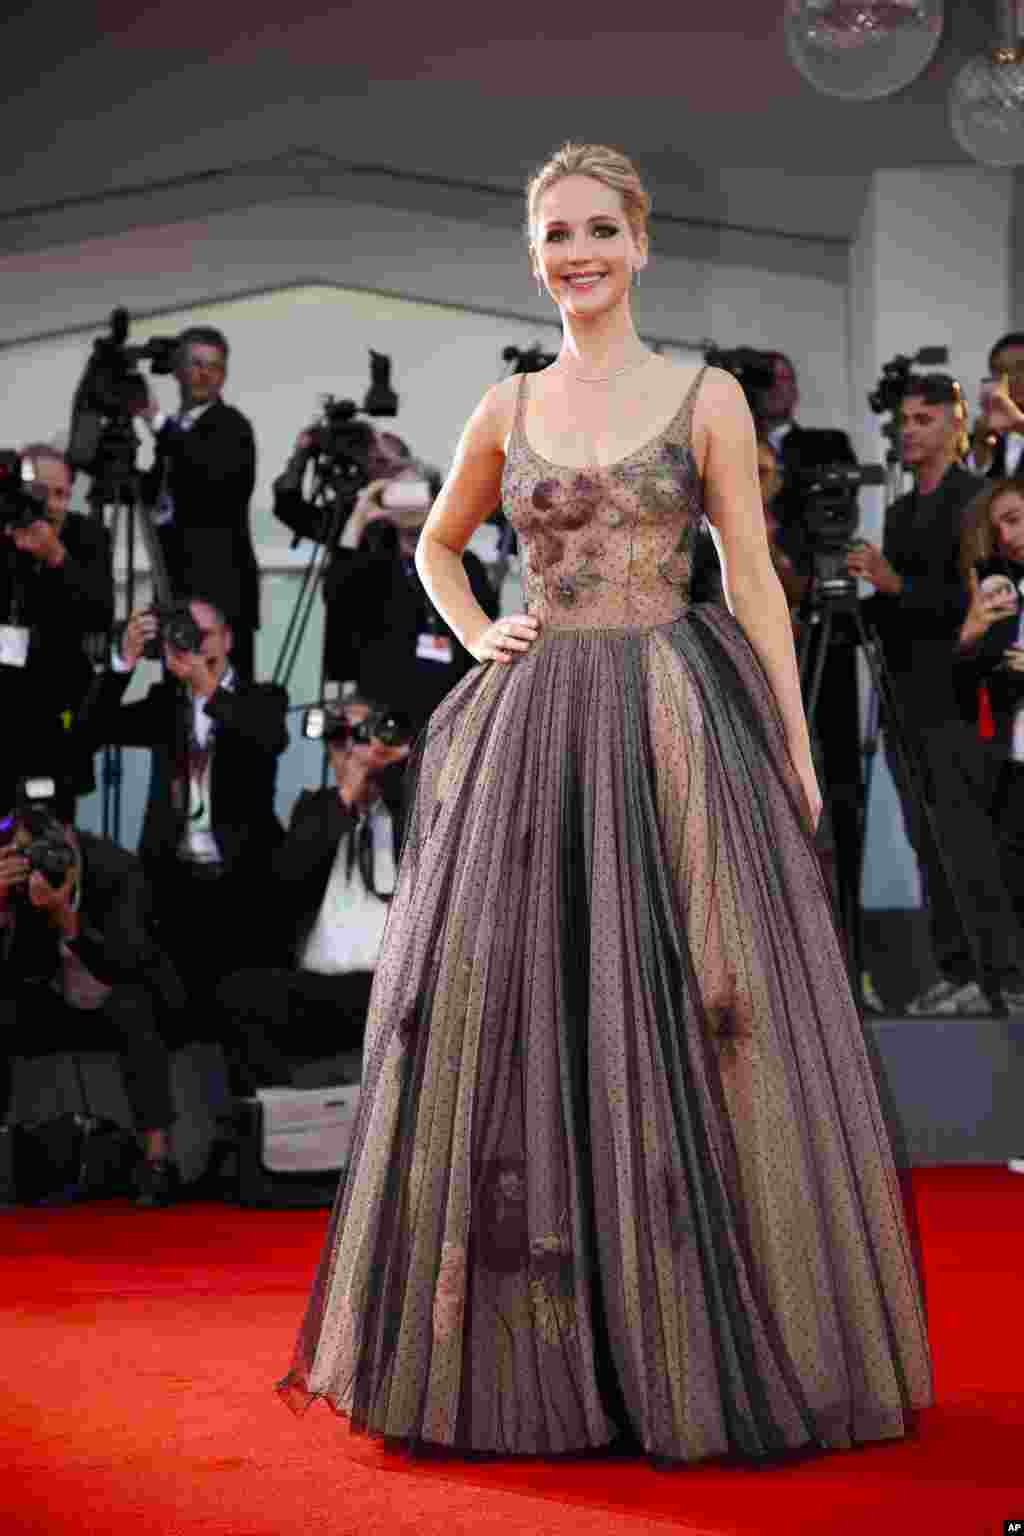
(997, 441)
(383, 632)
(990, 651)
(332, 878)
(56, 588)
(200, 487)
(918, 606)
(799, 451)
(78, 966)
(210, 828)
(769, 475)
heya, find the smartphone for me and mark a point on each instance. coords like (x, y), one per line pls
(998, 585)
(988, 386)
(405, 495)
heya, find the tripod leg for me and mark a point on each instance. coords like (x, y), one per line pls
(911, 772)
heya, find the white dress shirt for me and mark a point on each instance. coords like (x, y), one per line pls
(350, 924)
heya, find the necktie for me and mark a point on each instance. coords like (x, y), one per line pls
(164, 512)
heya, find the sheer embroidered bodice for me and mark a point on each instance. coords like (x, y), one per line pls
(606, 547)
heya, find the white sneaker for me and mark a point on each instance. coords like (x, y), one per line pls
(1016, 1164)
(950, 998)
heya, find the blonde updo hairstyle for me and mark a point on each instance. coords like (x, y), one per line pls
(608, 166)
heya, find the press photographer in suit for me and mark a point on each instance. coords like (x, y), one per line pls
(799, 451)
(210, 828)
(79, 969)
(56, 588)
(382, 631)
(332, 878)
(918, 606)
(200, 487)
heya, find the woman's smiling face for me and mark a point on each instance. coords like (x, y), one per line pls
(583, 247)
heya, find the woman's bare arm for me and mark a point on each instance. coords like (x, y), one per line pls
(467, 498)
(734, 507)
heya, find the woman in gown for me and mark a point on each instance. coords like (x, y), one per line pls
(619, 1166)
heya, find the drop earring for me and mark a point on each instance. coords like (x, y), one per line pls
(540, 287)
(636, 277)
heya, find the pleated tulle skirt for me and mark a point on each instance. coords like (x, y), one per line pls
(620, 1166)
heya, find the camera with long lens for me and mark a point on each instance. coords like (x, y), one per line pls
(22, 501)
(754, 371)
(110, 393)
(177, 629)
(387, 727)
(830, 518)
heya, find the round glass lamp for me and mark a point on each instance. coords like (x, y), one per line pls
(862, 49)
(986, 107)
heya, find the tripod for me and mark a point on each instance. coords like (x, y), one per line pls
(839, 601)
(114, 499)
(332, 497)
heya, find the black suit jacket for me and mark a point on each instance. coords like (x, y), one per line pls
(61, 607)
(301, 866)
(376, 607)
(918, 627)
(209, 472)
(115, 941)
(250, 735)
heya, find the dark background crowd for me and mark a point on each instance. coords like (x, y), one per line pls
(228, 925)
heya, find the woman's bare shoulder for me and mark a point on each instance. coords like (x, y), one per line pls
(495, 414)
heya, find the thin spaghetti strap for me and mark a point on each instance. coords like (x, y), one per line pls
(520, 404)
(690, 401)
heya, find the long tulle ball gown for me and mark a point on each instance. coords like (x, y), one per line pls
(620, 1166)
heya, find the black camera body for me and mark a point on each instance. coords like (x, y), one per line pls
(48, 851)
(51, 853)
(22, 501)
(830, 518)
(389, 727)
(176, 629)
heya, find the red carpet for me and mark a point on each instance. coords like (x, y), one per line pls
(139, 1350)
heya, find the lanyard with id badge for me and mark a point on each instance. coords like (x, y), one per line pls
(431, 644)
(14, 645)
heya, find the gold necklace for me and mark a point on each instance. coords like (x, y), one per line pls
(616, 373)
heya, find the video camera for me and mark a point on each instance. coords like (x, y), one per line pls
(527, 359)
(830, 517)
(341, 445)
(110, 392)
(754, 371)
(887, 395)
(22, 501)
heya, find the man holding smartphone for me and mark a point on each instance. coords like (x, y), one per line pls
(918, 605)
(997, 442)
(383, 632)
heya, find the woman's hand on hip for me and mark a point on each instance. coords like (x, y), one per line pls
(507, 639)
